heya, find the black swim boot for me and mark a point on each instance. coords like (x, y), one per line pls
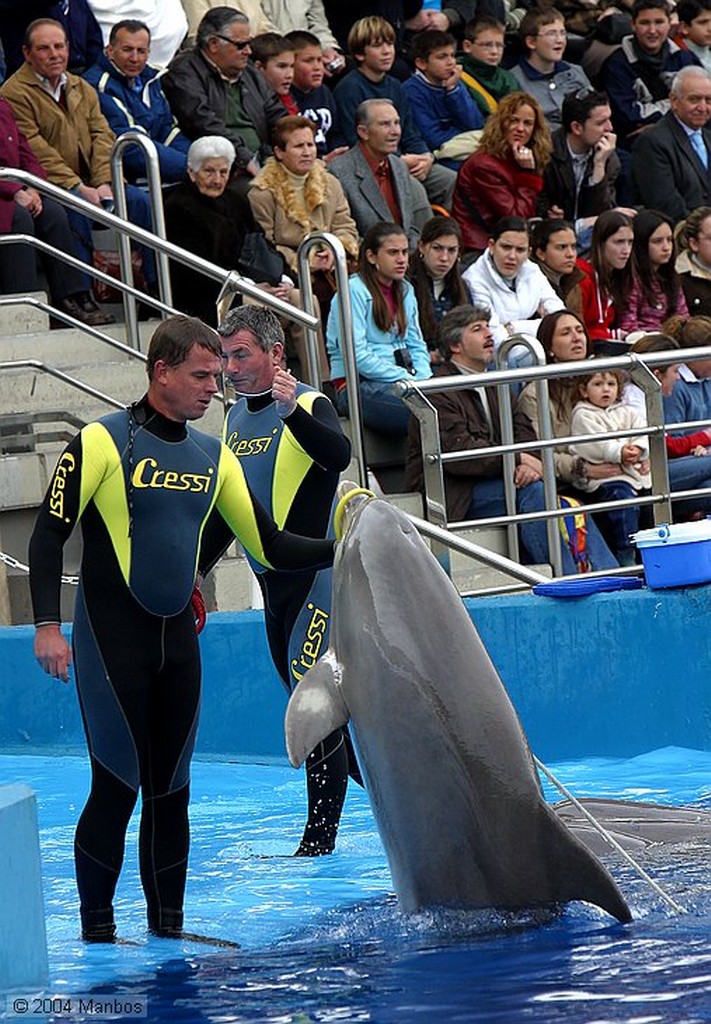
(98, 925)
(166, 924)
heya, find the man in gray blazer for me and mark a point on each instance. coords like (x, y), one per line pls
(671, 161)
(377, 184)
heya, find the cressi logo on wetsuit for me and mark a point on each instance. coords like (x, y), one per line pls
(315, 634)
(245, 446)
(65, 466)
(170, 490)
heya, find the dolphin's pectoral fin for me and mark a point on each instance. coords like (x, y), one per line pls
(316, 709)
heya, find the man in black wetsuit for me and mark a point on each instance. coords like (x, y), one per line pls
(289, 442)
(143, 483)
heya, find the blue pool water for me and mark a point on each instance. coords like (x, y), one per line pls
(322, 940)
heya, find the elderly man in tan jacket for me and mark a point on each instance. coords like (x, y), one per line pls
(61, 117)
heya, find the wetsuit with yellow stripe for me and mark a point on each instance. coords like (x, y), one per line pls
(292, 466)
(143, 487)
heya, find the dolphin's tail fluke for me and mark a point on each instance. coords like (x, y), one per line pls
(316, 709)
(577, 874)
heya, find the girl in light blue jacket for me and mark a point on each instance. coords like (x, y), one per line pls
(387, 339)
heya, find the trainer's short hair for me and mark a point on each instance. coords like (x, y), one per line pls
(263, 323)
(175, 337)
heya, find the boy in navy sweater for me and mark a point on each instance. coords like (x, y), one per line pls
(444, 111)
(312, 98)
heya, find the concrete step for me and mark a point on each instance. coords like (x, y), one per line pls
(70, 347)
(37, 391)
(22, 319)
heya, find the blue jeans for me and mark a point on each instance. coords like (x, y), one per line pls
(686, 473)
(617, 524)
(488, 500)
(139, 213)
(381, 409)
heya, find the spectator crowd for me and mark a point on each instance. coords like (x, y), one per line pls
(542, 168)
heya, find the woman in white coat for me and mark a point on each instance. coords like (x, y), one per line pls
(513, 287)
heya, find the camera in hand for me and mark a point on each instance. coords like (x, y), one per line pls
(403, 358)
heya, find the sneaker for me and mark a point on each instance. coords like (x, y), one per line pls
(83, 308)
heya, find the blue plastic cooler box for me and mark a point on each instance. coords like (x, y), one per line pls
(676, 555)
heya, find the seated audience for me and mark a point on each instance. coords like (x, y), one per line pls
(293, 195)
(388, 342)
(214, 90)
(210, 220)
(690, 398)
(132, 99)
(60, 115)
(435, 275)
(480, 61)
(554, 248)
(273, 56)
(76, 18)
(308, 16)
(165, 19)
(693, 264)
(541, 71)
(371, 44)
(656, 292)
(686, 455)
(670, 160)
(253, 10)
(509, 283)
(470, 419)
(376, 182)
(504, 177)
(313, 99)
(24, 211)
(637, 76)
(580, 180)
(447, 117)
(599, 410)
(693, 30)
(601, 294)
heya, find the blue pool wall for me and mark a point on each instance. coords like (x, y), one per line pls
(611, 675)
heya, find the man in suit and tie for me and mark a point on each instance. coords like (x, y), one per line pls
(671, 161)
(377, 184)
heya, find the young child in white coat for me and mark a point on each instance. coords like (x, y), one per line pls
(600, 411)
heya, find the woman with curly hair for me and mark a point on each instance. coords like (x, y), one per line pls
(435, 275)
(656, 292)
(693, 264)
(503, 178)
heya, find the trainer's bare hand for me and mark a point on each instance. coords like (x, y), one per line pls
(52, 651)
(284, 392)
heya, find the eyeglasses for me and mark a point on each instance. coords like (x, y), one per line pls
(489, 45)
(242, 44)
(553, 33)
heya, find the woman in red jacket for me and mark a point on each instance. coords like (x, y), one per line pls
(504, 177)
(604, 289)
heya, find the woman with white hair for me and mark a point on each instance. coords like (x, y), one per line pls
(210, 219)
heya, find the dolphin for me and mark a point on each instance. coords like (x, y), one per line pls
(453, 787)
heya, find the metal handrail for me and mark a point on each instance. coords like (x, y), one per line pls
(415, 396)
(38, 364)
(123, 227)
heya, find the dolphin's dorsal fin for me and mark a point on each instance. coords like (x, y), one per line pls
(316, 709)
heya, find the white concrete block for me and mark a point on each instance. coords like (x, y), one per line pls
(23, 940)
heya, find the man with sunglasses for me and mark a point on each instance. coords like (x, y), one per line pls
(214, 90)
